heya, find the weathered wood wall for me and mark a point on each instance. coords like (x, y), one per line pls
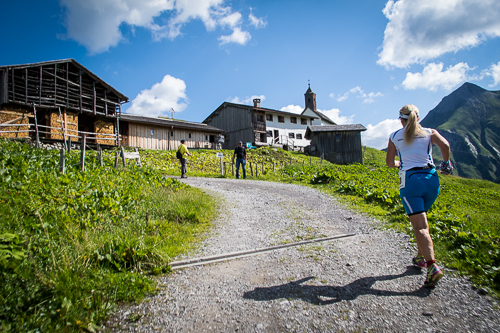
(164, 138)
(236, 122)
(343, 147)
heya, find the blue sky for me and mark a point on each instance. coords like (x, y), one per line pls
(365, 59)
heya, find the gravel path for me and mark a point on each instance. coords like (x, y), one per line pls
(363, 283)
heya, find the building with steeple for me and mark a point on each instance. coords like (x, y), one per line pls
(310, 109)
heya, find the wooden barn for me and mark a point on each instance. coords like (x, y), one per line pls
(58, 100)
(166, 134)
(339, 144)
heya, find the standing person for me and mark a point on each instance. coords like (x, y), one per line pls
(418, 181)
(182, 154)
(241, 158)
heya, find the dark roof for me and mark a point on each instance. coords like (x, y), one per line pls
(168, 122)
(251, 107)
(320, 115)
(74, 62)
(309, 91)
(333, 128)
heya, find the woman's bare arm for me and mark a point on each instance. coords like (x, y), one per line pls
(442, 143)
(391, 154)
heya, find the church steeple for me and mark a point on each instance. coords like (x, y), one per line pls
(310, 98)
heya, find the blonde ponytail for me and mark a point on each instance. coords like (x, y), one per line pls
(409, 114)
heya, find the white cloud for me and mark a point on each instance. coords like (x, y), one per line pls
(238, 36)
(367, 98)
(248, 100)
(494, 72)
(433, 77)
(162, 96)
(420, 30)
(377, 136)
(334, 114)
(293, 108)
(256, 22)
(95, 24)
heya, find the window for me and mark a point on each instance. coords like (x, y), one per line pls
(293, 120)
(269, 133)
(291, 135)
(263, 137)
(303, 121)
(299, 136)
(337, 137)
(281, 119)
(206, 137)
(269, 117)
(260, 117)
(152, 132)
(171, 133)
(189, 135)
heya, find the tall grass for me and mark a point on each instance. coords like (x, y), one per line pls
(72, 246)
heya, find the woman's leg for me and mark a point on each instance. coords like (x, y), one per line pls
(424, 241)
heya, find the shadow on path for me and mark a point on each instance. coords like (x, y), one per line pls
(312, 294)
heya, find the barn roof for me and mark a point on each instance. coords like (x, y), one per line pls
(333, 128)
(74, 62)
(169, 122)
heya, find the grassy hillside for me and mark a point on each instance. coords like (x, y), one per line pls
(73, 245)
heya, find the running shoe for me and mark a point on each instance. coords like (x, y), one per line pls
(434, 274)
(419, 261)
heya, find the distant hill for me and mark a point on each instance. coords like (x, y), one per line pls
(469, 118)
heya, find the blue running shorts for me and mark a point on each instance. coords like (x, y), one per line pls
(420, 191)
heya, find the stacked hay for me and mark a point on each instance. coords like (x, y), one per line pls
(14, 116)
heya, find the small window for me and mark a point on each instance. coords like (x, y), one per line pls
(189, 135)
(299, 136)
(281, 119)
(206, 137)
(263, 137)
(171, 133)
(337, 137)
(311, 121)
(303, 121)
(291, 135)
(152, 132)
(260, 117)
(269, 117)
(293, 120)
(269, 133)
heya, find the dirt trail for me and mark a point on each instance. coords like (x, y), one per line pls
(359, 284)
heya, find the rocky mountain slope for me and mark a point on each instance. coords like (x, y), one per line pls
(469, 118)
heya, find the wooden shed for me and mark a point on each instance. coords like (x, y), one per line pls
(166, 134)
(58, 100)
(339, 144)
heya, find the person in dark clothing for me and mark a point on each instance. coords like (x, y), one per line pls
(241, 158)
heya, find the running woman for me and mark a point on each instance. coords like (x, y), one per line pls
(418, 181)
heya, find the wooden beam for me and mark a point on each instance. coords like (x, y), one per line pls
(12, 79)
(55, 84)
(26, 85)
(67, 84)
(93, 99)
(80, 78)
(36, 128)
(40, 87)
(105, 102)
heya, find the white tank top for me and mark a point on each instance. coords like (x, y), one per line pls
(415, 155)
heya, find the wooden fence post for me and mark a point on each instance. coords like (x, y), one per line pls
(274, 167)
(221, 167)
(263, 159)
(116, 159)
(62, 161)
(37, 135)
(123, 157)
(251, 169)
(100, 156)
(82, 152)
(232, 169)
(256, 170)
